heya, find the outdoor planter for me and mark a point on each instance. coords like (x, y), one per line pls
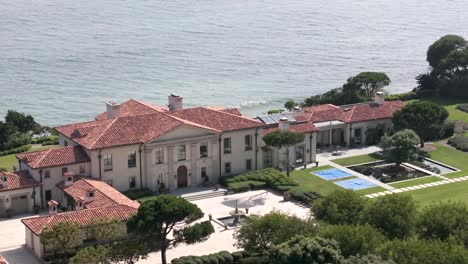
(286, 196)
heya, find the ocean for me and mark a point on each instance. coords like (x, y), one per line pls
(62, 60)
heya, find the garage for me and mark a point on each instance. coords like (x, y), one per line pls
(20, 204)
(2, 208)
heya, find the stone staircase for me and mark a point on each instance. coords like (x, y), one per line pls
(195, 196)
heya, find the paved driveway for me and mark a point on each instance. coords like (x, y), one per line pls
(12, 242)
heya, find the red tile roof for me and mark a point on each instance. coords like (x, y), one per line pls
(140, 122)
(2, 260)
(84, 217)
(54, 157)
(107, 203)
(17, 180)
(351, 113)
(219, 120)
(303, 127)
(104, 196)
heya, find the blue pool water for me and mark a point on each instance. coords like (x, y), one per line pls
(332, 174)
(355, 184)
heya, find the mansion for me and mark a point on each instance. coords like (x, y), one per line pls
(140, 145)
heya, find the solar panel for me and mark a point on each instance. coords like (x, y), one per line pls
(274, 119)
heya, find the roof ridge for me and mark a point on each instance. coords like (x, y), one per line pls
(188, 122)
(227, 113)
(86, 180)
(351, 114)
(45, 155)
(104, 131)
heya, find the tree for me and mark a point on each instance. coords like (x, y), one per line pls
(394, 215)
(91, 255)
(6, 130)
(23, 122)
(423, 117)
(290, 104)
(415, 251)
(305, 250)
(368, 259)
(259, 233)
(106, 230)
(156, 219)
(354, 239)
(368, 83)
(340, 207)
(62, 237)
(441, 48)
(401, 147)
(443, 221)
(286, 139)
(128, 251)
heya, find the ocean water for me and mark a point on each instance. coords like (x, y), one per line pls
(61, 60)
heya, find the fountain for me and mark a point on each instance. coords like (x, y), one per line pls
(237, 214)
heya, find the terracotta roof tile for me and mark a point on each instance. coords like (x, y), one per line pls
(54, 157)
(219, 120)
(17, 180)
(104, 196)
(84, 217)
(303, 127)
(134, 107)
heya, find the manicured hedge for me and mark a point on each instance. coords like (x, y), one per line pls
(463, 107)
(223, 257)
(15, 150)
(459, 141)
(259, 179)
(306, 197)
(138, 194)
(409, 96)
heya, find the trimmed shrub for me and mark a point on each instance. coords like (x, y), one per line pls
(138, 194)
(259, 179)
(237, 256)
(15, 150)
(462, 107)
(255, 260)
(459, 141)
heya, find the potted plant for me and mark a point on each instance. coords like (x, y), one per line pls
(286, 196)
(9, 212)
(36, 209)
(217, 186)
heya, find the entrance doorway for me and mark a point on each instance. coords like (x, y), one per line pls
(182, 178)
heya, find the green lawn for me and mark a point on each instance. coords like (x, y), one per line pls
(371, 190)
(415, 182)
(452, 157)
(9, 161)
(448, 192)
(356, 160)
(450, 105)
(310, 182)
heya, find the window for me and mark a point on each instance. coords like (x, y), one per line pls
(248, 164)
(65, 143)
(48, 195)
(227, 167)
(357, 135)
(203, 172)
(300, 154)
(82, 169)
(91, 194)
(132, 182)
(159, 156)
(182, 153)
(64, 170)
(203, 150)
(248, 142)
(46, 174)
(132, 159)
(227, 145)
(107, 162)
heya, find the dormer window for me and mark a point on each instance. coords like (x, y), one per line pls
(69, 178)
(91, 194)
(4, 178)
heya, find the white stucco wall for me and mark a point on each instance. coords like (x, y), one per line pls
(7, 195)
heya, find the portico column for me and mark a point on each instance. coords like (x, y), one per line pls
(170, 168)
(192, 178)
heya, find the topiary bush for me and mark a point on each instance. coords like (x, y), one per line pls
(459, 141)
(259, 179)
(222, 257)
(138, 194)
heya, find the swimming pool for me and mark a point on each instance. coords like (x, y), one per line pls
(332, 174)
(355, 184)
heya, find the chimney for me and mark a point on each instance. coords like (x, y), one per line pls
(68, 178)
(113, 109)
(175, 102)
(379, 98)
(53, 207)
(4, 181)
(90, 195)
(283, 124)
(79, 203)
